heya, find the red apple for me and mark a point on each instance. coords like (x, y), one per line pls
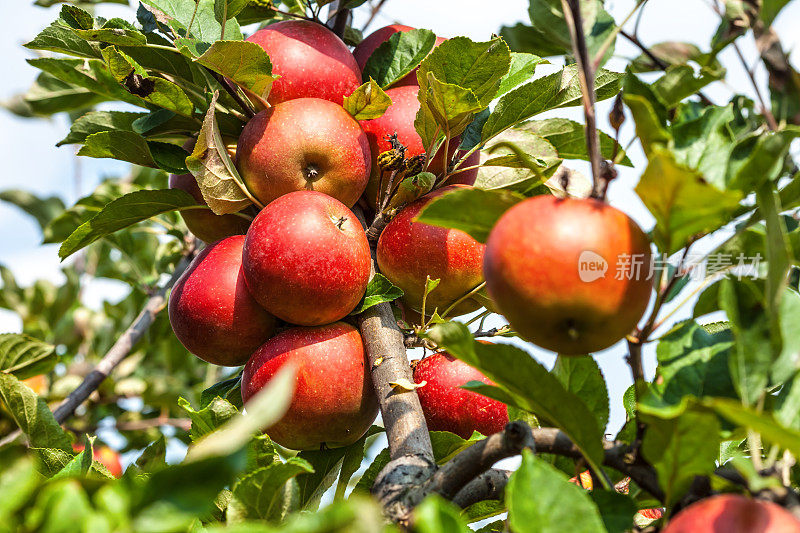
(732, 513)
(307, 259)
(334, 403)
(304, 144)
(448, 407)
(365, 48)
(203, 223)
(310, 59)
(409, 251)
(211, 311)
(106, 456)
(551, 268)
(399, 119)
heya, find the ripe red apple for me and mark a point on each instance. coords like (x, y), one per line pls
(732, 513)
(106, 456)
(399, 119)
(203, 223)
(365, 48)
(334, 403)
(304, 144)
(448, 407)
(307, 259)
(409, 251)
(211, 311)
(551, 266)
(310, 59)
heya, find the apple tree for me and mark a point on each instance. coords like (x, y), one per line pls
(307, 206)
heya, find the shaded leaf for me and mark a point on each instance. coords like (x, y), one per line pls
(24, 356)
(398, 56)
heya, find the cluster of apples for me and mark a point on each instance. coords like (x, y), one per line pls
(279, 289)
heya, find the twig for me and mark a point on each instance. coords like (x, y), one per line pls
(340, 20)
(572, 15)
(771, 122)
(122, 348)
(657, 61)
(373, 13)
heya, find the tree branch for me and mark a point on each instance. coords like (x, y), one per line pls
(491, 485)
(118, 352)
(657, 61)
(453, 477)
(572, 15)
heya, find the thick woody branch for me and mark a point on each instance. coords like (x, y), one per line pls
(617, 456)
(118, 352)
(478, 458)
(490, 485)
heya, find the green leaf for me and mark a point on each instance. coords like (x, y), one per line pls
(758, 158)
(520, 160)
(84, 465)
(43, 210)
(762, 423)
(450, 106)
(124, 212)
(369, 476)
(61, 39)
(679, 81)
(227, 9)
(561, 89)
(244, 62)
(367, 101)
(437, 515)
(229, 389)
(97, 121)
(76, 17)
(379, 290)
(353, 457)
(540, 499)
(219, 181)
(154, 90)
(113, 34)
(154, 457)
(779, 249)
(459, 61)
(520, 70)
(263, 410)
(671, 53)
(447, 445)
(24, 356)
(92, 75)
(209, 418)
(692, 362)
(398, 56)
(683, 204)
(260, 494)
(681, 448)
(474, 211)
(754, 352)
(705, 143)
(32, 415)
(569, 138)
(18, 481)
(616, 509)
(204, 28)
(531, 385)
(582, 376)
(133, 148)
(770, 9)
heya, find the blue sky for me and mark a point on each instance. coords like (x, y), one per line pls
(31, 161)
